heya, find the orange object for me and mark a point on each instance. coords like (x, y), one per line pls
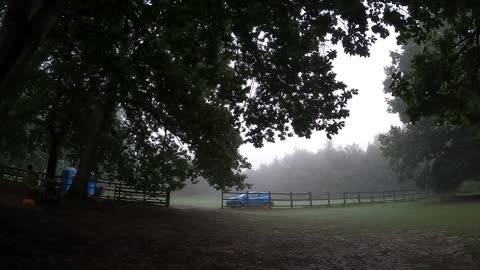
(28, 202)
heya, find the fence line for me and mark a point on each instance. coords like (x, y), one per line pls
(297, 200)
(103, 189)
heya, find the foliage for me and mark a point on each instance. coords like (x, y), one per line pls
(443, 79)
(188, 78)
(432, 152)
(198, 75)
(469, 187)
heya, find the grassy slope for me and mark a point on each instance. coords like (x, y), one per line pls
(428, 214)
(424, 215)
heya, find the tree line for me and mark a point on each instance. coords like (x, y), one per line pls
(330, 169)
(333, 169)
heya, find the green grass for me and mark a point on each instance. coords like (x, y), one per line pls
(430, 214)
(435, 214)
(200, 201)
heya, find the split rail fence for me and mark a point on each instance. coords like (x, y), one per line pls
(108, 190)
(325, 199)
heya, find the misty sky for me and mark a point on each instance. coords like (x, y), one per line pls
(368, 115)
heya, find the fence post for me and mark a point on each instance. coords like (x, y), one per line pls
(17, 176)
(167, 199)
(119, 191)
(310, 197)
(291, 199)
(394, 196)
(328, 198)
(221, 201)
(344, 199)
(358, 197)
(404, 196)
(371, 197)
(270, 199)
(248, 199)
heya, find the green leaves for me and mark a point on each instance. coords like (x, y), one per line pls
(202, 74)
(438, 151)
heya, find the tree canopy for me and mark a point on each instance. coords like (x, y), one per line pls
(432, 151)
(170, 89)
(443, 80)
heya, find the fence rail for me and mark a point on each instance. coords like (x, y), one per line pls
(107, 190)
(325, 199)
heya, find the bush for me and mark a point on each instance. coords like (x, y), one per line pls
(471, 186)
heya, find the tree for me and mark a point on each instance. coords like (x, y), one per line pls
(24, 25)
(443, 80)
(430, 150)
(200, 74)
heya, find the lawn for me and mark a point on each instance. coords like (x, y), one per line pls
(437, 213)
(430, 214)
(196, 201)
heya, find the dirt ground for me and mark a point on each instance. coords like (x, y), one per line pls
(114, 236)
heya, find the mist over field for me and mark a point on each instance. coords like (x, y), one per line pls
(331, 169)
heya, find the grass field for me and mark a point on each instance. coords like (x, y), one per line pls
(198, 201)
(437, 233)
(436, 213)
(425, 215)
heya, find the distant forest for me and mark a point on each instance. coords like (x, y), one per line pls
(332, 168)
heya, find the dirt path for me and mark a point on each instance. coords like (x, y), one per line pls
(141, 237)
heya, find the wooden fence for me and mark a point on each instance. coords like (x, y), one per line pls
(121, 191)
(326, 199)
(16, 175)
(107, 190)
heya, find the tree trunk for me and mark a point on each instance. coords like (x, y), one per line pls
(51, 193)
(25, 24)
(79, 187)
(53, 149)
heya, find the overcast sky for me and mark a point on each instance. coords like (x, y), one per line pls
(368, 115)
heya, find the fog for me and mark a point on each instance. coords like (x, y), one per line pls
(368, 110)
(352, 160)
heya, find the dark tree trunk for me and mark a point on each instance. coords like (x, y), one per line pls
(25, 24)
(50, 184)
(88, 154)
(53, 149)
